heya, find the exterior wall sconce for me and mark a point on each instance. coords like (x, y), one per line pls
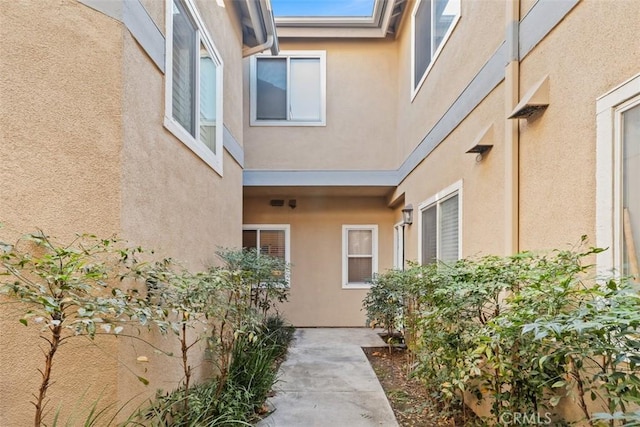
(534, 101)
(482, 143)
(407, 215)
(293, 203)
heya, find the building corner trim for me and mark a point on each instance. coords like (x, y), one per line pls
(136, 19)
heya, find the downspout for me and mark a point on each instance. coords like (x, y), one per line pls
(512, 132)
(261, 21)
(259, 48)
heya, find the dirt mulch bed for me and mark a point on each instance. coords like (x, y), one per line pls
(410, 400)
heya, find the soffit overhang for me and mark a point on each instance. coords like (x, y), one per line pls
(318, 191)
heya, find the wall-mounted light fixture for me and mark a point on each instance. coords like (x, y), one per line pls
(407, 215)
(293, 203)
(482, 144)
(534, 101)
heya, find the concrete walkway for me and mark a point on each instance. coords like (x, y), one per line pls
(328, 381)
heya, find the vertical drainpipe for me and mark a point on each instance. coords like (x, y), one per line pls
(512, 135)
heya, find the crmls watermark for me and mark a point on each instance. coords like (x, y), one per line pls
(522, 419)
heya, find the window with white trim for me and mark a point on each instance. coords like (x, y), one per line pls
(193, 84)
(618, 168)
(288, 89)
(440, 226)
(269, 239)
(432, 21)
(359, 255)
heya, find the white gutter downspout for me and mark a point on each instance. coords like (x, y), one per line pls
(512, 132)
(259, 48)
(265, 33)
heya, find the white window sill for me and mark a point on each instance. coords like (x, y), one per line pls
(356, 286)
(285, 123)
(199, 149)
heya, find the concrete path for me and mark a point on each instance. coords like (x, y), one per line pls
(327, 381)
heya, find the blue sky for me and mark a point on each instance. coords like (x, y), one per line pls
(322, 7)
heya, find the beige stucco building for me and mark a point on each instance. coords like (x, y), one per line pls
(501, 125)
(543, 86)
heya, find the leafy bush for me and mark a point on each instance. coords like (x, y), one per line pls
(70, 290)
(251, 375)
(393, 302)
(523, 331)
(265, 276)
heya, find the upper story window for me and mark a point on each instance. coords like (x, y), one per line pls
(288, 89)
(359, 255)
(440, 226)
(618, 169)
(432, 21)
(193, 84)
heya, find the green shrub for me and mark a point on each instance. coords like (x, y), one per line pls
(67, 290)
(523, 331)
(251, 376)
(70, 290)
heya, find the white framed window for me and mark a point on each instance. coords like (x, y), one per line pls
(193, 84)
(359, 255)
(270, 239)
(288, 89)
(432, 22)
(618, 180)
(440, 226)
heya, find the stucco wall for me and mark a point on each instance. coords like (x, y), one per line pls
(557, 149)
(361, 114)
(482, 196)
(585, 57)
(60, 150)
(84, 150)
(317, 297)
(478, 34)
(172, 201)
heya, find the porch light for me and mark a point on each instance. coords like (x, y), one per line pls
(482, 144)
(533, 102)
(407, 215)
